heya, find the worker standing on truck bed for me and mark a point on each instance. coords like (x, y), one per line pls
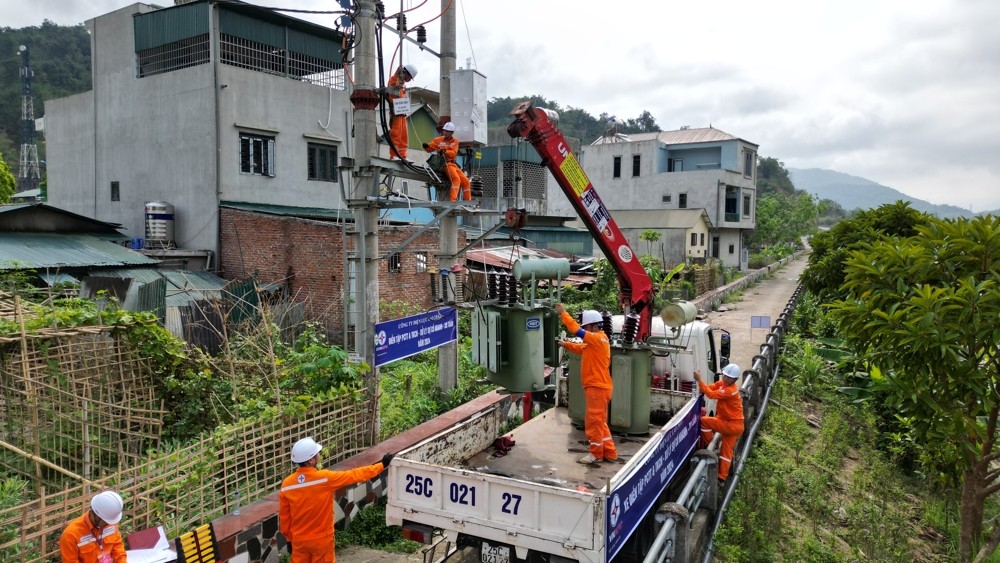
(447, 144)
(396, 90)
(728, 419)
(595, 375)
(305, 503)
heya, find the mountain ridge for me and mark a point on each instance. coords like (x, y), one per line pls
(853, 192)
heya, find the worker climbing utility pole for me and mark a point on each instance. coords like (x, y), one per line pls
(365, 99)
(448, 354)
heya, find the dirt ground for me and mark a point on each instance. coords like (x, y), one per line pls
(767, 298)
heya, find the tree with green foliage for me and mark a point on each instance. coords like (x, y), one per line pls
(784, 219)
(649, 236)
(922, 309)
(7, 182)
(825, 273)
(773, 177)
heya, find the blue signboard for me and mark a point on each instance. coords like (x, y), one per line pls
(636, 493)
(402, 338)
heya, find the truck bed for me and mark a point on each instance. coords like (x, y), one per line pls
(546, 451)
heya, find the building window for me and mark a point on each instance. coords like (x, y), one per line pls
(256, 154)
(702, 240)
(682, 201)
(115, 191)
(322, 162)
(636, 162)
(748, 161)
(395, 263)
(746, 206)
(616, 170)
(732, 249)
(666, 199)
(421, 258)
(675, 165)
(694, 239)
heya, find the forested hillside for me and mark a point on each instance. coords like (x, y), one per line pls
(60, 60)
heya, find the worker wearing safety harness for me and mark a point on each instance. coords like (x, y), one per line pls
(448, 145)
(94, 537)
(305, 503)
(396, 90)
(728, 419)
(595, 375)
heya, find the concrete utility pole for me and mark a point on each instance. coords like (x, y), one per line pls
(365, 99)
(448, 354)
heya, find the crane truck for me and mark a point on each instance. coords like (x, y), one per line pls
(522, 496)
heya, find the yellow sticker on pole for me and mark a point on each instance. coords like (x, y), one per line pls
(574, 174)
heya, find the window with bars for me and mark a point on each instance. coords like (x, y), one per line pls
(395, 263)
(256, 154)
(322, 162)
(682, 201)
(421, 260)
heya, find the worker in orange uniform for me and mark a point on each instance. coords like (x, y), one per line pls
(396, 90)
(595, 374)
(728, 419)
(94, 537)
(448, 145)
(305, 503)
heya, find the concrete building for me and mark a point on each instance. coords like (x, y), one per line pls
(695, 187)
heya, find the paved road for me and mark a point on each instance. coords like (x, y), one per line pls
(766, 298)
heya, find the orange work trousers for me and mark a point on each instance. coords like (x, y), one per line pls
(458, 178)
(595, 423)
(313, 551)
(400, 138)
(731, 430)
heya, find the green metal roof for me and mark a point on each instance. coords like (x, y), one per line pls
(320, 213)
(49, 251)
(182, 286)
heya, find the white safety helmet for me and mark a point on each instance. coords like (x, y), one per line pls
(411, 70)
(108, 506)
(448, 127)
(732, 371)
(305, 449)
(590, 316)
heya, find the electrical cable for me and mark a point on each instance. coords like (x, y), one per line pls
(469, 35)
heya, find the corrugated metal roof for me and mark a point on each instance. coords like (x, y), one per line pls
(183, 286)
(41, 251)
(678, 137)
(37, 217)
(504, 257)
(661, 219)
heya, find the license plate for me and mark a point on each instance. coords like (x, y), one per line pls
(495, 553)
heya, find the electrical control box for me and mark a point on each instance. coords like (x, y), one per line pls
(468, 105)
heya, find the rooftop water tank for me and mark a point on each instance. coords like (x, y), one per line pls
(159, 225)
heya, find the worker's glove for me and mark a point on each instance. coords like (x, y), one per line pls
(387, 459)
(426, 146)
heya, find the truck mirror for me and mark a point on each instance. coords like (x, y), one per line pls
(724, 347)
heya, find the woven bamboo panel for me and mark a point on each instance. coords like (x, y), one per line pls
(184, 487)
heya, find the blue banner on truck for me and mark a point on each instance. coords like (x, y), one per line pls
(633, 496)
(402, 338)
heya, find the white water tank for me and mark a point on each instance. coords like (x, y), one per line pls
(159, 225)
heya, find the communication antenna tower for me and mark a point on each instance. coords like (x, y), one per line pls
(28, 175)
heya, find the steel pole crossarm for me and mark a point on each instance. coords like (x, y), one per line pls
(492, 230)
(412, 40)
(419, 232)
(396, 168)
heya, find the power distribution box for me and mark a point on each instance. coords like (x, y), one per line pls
(468, 105)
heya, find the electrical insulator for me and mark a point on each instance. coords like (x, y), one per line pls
(512, 290)
(491, 285)
(630, 328)
(401, 22)
(476, 184)
(501, 289)
(606, 323)
(421, 34)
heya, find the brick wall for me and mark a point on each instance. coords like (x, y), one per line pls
(307, 255)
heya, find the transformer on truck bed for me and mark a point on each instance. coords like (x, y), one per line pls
(533, 501)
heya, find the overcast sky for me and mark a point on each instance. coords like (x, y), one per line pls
(904, 93)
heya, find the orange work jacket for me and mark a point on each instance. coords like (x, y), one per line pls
(594, 351)
(305, 503)
(81, 542)
(728, 402)
(450, 148)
